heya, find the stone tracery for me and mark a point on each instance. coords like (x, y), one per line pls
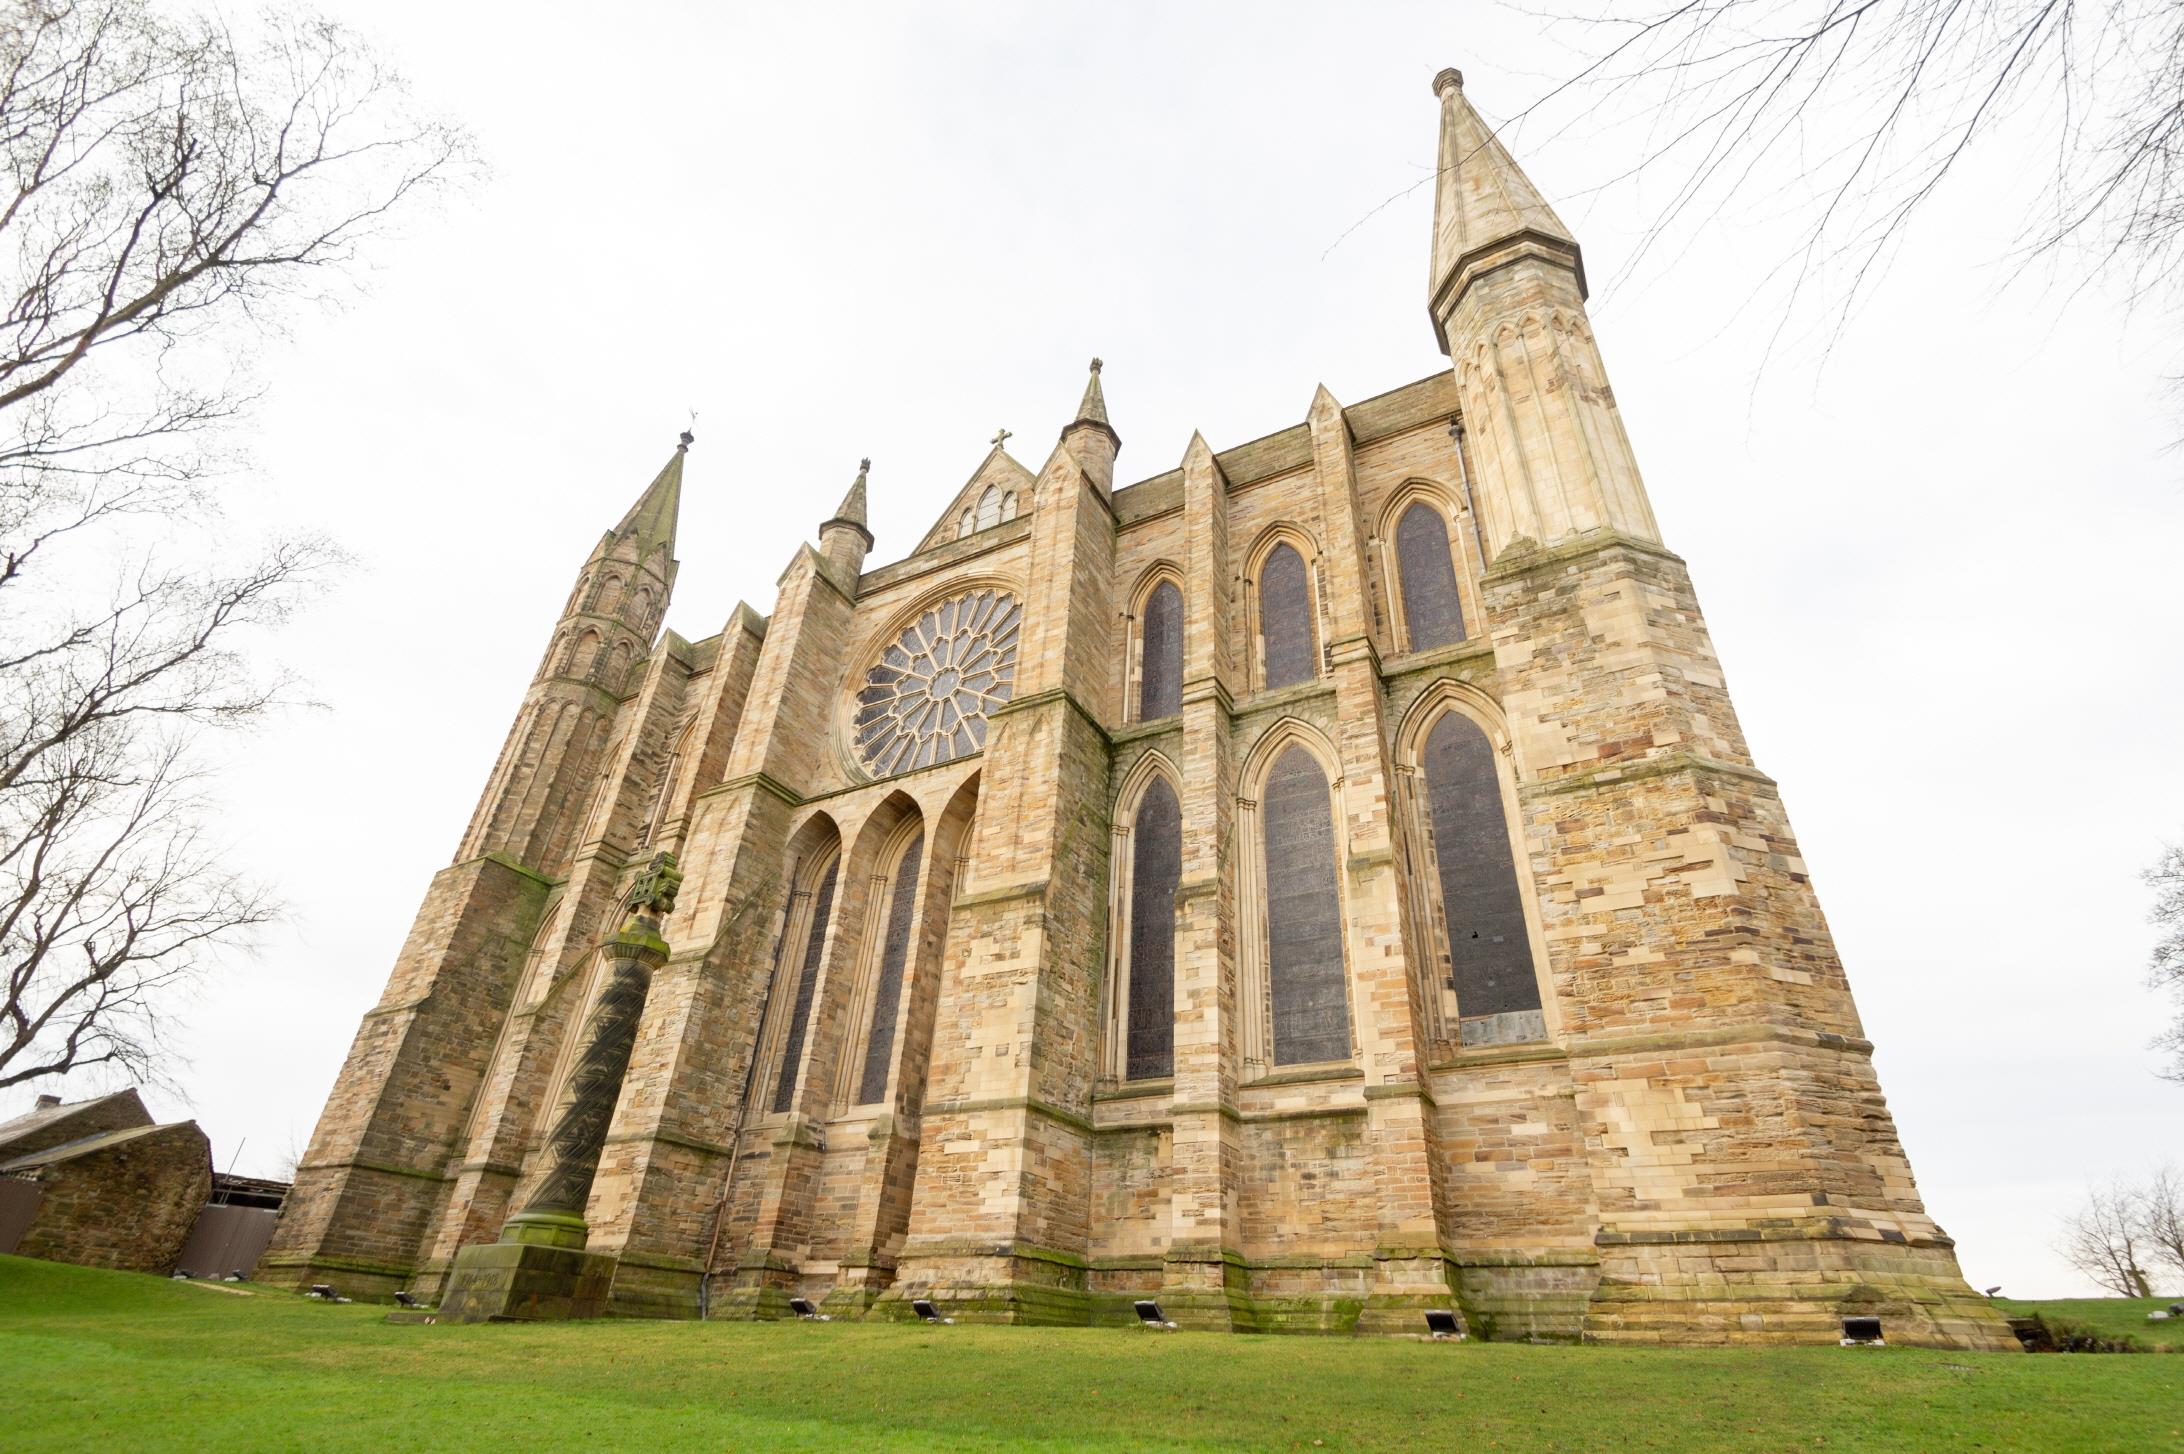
(925, 701)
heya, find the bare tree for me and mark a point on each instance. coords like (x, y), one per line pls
(1851, 115)
(2102, 1240)
(2161, 1210)
(174, 189)
(2166, 972)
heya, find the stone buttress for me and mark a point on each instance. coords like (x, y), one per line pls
(377, 1175)
(1747, 1175)
(1533, 1015)
(998, 1222)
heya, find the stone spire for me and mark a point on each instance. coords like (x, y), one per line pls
(845, 539)
(651, 521)
(1486, 212)
(1547, 448)
(1092, 408)
(1090, 438)
(852, 509)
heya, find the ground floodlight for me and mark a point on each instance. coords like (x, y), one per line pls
(322, 1290)
(1861, 1332)
(1149, 1314)
(925, 1310)
(801, 1306)
(409, 1300)
(1441, 1323)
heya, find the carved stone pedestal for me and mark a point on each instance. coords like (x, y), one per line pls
(526, 1282)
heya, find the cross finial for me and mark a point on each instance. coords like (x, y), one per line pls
(1000, 437)
(654, 890)
(1095, 366)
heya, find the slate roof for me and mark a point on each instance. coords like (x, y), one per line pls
(83, 1146)
(34, 1121)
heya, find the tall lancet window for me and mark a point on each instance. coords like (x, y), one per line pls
(1489, 950)
(1156, 867)
(1311, 1008)
(1433, 612)
(902, 913)
(1160, 668)
(807, 979)
(1285, 619)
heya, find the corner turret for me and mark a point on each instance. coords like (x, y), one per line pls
(1091, 439)
(1486, 212)
(1508, 300)
(845, 539)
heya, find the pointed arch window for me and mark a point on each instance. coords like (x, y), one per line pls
(811, 946)
(670, 775)
(1147, 980)
(967, 524)
(1285, 619)
(583, 655)
(1433, 610)
(989, 507)
(1491, 966)
(895, 947)
(1008, 506)
(1306, 985)
(1160, 665)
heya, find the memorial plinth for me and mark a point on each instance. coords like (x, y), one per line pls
(539, 1270)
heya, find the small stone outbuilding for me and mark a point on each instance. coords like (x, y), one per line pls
(99, 1183)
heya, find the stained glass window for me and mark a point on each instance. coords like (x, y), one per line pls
(1490, 954)
(1303, 914)
(894, 954)
(1156, 867)
(792, 1051)
(925, 700)
(1160, 680)
(1431, 605)
(1285, 619)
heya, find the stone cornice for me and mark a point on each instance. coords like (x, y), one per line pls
(1531, 558)
(1031, 1104)
(762, 780)
(1638, 770)
(1599, 1047)
(1047, 698)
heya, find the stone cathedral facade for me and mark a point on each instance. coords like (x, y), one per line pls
(1323, 881)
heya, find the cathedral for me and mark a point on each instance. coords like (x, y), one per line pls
(1318, 884)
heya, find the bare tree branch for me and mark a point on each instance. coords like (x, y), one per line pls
(2166, 969)
(2102, 1240)
(174, 189)
(1852, 116)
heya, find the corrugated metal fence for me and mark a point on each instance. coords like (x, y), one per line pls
(225, 1240)
(18, 1205)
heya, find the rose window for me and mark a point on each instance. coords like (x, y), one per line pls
(925, 700)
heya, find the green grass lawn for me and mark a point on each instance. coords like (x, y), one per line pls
(115, 1362)
(2111, 1315)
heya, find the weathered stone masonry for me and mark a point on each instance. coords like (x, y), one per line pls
(1655, 1120)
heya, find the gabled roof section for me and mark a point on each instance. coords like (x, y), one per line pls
(997, 471)
(84, 1146)
(26, 1127)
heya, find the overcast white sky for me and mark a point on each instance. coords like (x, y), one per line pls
(1940, 572)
